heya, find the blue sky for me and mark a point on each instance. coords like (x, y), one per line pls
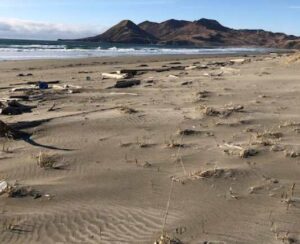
(51, 19)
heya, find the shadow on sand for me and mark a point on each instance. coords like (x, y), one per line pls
(19, 126)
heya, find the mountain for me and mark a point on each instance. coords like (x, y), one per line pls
(200, 33)
(210, 33)
(124, 32)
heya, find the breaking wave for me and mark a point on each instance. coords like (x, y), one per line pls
(53, 50)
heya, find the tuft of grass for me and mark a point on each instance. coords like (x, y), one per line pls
(165, 239)
(6, 145)
(223, 112)
(172, 143)
(48, 161)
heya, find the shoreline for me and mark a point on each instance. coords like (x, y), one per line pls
(31, 52)
(143, 58)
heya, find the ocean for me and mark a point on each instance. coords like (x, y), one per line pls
(26, 50)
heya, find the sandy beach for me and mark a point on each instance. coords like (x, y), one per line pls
(204, 151)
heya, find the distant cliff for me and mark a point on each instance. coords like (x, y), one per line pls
(200, 33)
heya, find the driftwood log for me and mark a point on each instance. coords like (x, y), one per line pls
(127, 83)
(143, 70)
(114, 76)
(35, 83)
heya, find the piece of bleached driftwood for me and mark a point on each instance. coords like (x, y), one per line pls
(191, 67)
(173, 76)
(227, 145)
(67, 87)
(25, 88)
(58, 87)
(36, 97)
(3, 186)
(114, 76)
(123, 93)
(239, 61)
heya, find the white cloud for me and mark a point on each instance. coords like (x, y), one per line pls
(26, 29)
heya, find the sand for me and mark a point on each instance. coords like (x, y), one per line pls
(217, 149)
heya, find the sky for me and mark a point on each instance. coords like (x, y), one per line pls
(53, 19)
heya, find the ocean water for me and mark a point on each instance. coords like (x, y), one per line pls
(24, 49)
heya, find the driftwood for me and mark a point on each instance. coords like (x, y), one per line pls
(52, 108)
(58, 87)
(203, 66)
(132, 72)
(191, 67)
(68, 88)
(127, 83)
(217, 63)
(123, 93)
(35, 83)
(173, 76)
(19, 97)
(25, 88)
(129, 73)
(114, 76)
(135, 71)
(5, 88)
(239, 61)
(177, 67)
